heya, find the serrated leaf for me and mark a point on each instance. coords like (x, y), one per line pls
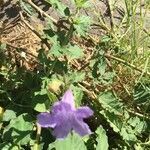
(102, 139)
(140, 127)
(128, 134)
(137, 125)
(133, 121)
(109, 102)
(75, 77)
(57, 50)
(72, 142)
(114, 120)
(8, 115)
(119, 126)
(108, 76)
(74, 52)
(82, 24)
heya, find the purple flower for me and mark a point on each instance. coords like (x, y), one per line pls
(64, 117)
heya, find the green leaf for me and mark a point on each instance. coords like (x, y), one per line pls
(128, 134)
(56, 50)
(99, 68)
(72, 142)
(41, 103)
(109, 102)
(141, 93)
(7, 146)
(57, 4)
(26, 7)
(42, 92)
(43, 99)
(52, 97)
(102, 67)
(2, 46)
(19, 130)
(102, 139)
(140, 127)
(67, 11)
(82, 24)
(82, 3)
(137, 124)
(114, 120)
(120, 126)
(105, 39)
(8, 115)
(78, 95)
(74, 52)
(108, 76)
(40, 107)
(76, 77)
(139, 147)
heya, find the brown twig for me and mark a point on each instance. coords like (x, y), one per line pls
(138, 114)
(110, 13)
(34, 31)
(20, 49)
(125, 63)
(41, 11)
(90, 93)
(118, 78)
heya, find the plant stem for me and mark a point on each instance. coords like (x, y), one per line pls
(36, 144)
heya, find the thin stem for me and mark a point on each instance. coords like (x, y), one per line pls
(109, 7)
(36, 144)
(144, 70)
(125, 63)
(138, 114)
(19, 105)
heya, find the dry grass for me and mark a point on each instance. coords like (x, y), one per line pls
(22, 44)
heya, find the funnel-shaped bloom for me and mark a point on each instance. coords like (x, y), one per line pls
(64, 117)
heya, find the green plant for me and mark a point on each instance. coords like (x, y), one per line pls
(109, 73)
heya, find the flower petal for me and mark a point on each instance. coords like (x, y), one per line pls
(62, 113)
(81, 128)
(68, 98)
(61, 107)
(46, 120)
(84, 112)
(62, 130)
